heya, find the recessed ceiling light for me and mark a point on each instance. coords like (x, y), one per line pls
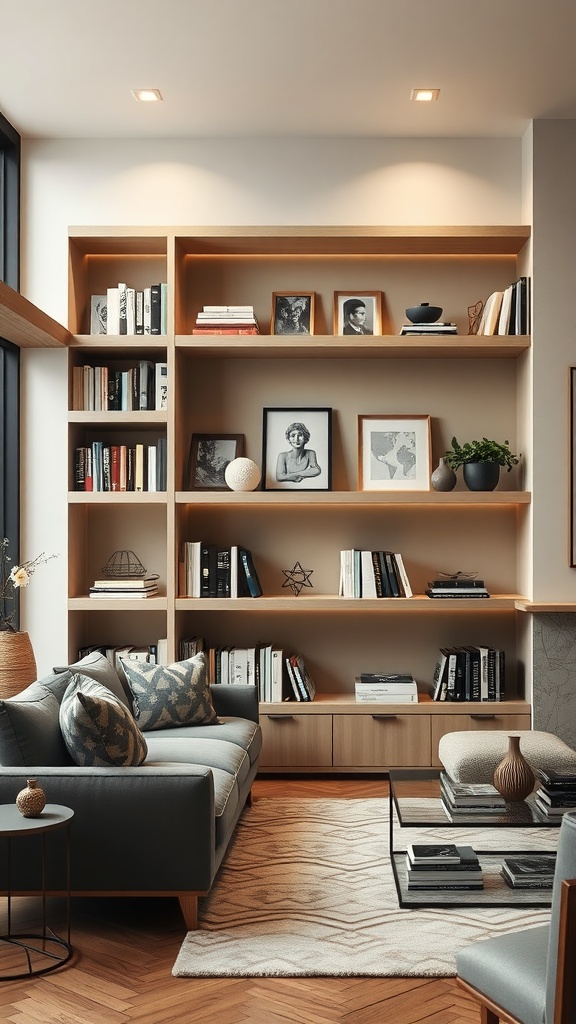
(147, 95)
(424, 95)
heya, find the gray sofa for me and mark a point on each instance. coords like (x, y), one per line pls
(157, 829)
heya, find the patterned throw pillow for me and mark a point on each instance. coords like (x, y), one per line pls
(170, 695)
(98, 728)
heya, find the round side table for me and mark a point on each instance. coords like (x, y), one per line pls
(44, 950)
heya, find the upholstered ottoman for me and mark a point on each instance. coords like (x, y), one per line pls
(473, 756)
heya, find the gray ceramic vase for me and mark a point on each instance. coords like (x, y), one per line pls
(443, 478)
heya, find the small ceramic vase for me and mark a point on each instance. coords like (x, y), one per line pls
(443, 478)
(514, 778)
(32, 800)
(242, 475)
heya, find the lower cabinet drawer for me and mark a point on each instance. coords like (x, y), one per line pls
(482, 720)
(381, 740)
(296, 741)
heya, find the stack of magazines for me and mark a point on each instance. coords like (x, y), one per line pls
(442, 866)
(466, 799)
(556, 795)
(530, 871)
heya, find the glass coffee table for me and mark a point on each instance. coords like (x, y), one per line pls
(415, 803)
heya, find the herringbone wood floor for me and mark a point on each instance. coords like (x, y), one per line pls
(125, 949)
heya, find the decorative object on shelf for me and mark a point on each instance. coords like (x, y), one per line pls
(474, 317)
(242, 475)
(297, 578)
(481, 462)
(209, 456)
(424, 313)
(32, 800)
(443, 478)
(292, 313)
(513, 777)
(394, 453)
(17, 662)
(301, 467)
(357, 313)
(123, 565)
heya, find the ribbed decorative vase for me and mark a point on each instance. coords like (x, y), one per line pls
(17, 663)
(32, 800)
(514, 778)
(443, 478)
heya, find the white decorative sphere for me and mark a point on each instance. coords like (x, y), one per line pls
(242, 475)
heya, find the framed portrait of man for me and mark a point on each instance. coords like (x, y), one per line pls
(357, 313)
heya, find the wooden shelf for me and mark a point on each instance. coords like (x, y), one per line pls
(339, 703)
(333, 604)
(123, 604)
(26, 326)
(545, 607)
(382, 346)
(111, 343)
(360, 499)
(117, 497)
(134, 418)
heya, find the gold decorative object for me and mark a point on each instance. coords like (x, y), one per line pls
(514, 778)
(17, 662)
(32, 800)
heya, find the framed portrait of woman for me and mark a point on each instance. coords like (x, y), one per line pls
(394, 453)
(297, 449)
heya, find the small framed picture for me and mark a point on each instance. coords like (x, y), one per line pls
(292, 313)
(357, 313)
(209, 456)
(297, 449)
(394, 453)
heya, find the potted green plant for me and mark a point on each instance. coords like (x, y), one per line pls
(481, 462)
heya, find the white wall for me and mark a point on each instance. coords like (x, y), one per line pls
(277, 182)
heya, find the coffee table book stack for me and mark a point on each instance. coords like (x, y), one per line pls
(464, 799)
(534, 871)
(385, 688)
(556, 795)
(442, 866)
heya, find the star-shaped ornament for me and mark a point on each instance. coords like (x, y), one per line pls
(296, 578)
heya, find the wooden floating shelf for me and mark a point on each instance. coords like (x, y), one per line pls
(392, 346)
(117, 498)
(334, 604)
(356, 498)
(124, 604)
(26, 326)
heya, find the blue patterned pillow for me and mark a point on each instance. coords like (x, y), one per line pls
(165, 696)
(98, 728)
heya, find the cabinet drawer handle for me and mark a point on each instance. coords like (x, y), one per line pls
(483, 716)
(280, 718)
(384, 716)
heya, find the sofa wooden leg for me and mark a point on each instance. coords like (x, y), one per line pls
(189, 908)
(487, 1016)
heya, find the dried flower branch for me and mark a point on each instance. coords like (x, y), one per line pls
(10, 581)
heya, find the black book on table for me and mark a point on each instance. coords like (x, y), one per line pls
(433, 853)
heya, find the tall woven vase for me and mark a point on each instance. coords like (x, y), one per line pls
(513, 777)
(17, 663)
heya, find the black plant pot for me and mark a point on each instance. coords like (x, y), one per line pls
(481, 476)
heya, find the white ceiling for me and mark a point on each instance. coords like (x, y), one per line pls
(270, 68)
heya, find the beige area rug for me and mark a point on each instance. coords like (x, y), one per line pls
(306, 889)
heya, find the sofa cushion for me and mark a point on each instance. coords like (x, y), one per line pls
(215, 753)
(244, 733)
(29, 727)
(96, 666)
(165, 696)
(98, 728)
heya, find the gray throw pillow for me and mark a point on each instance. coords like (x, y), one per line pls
(96, 666)
(30, 733)
(98, 728)
(165, 696)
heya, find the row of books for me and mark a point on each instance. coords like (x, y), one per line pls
(454, 588)
(470, 673)
(431, 866)
(507, 311)
(385, 688)
(143, 386)
(126, 310)
(213, 570)
(373, 574)
(226, 320)
(153, 654)
(124, 589)
(279, 675)
(464, 799)
(119, 467)
(556, 794)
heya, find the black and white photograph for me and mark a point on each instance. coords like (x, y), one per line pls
(297, 449)
(210, 454)
(394, 453)
(357, 313)
(292, 313)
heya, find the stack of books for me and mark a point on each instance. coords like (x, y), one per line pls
(456, 588)
(385, 688)
(213, 570)
(465, 799)
(226, 320)
(431, 329)
(533, 871)
(113, 589)
(373, 574)
(557, 793)
(469, 673)
(442, 866)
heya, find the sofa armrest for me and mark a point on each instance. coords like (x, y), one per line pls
(235, 701)
(144, 829)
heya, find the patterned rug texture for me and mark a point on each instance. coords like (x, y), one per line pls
(306, 888)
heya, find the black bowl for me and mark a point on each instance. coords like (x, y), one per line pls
(424, 313)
